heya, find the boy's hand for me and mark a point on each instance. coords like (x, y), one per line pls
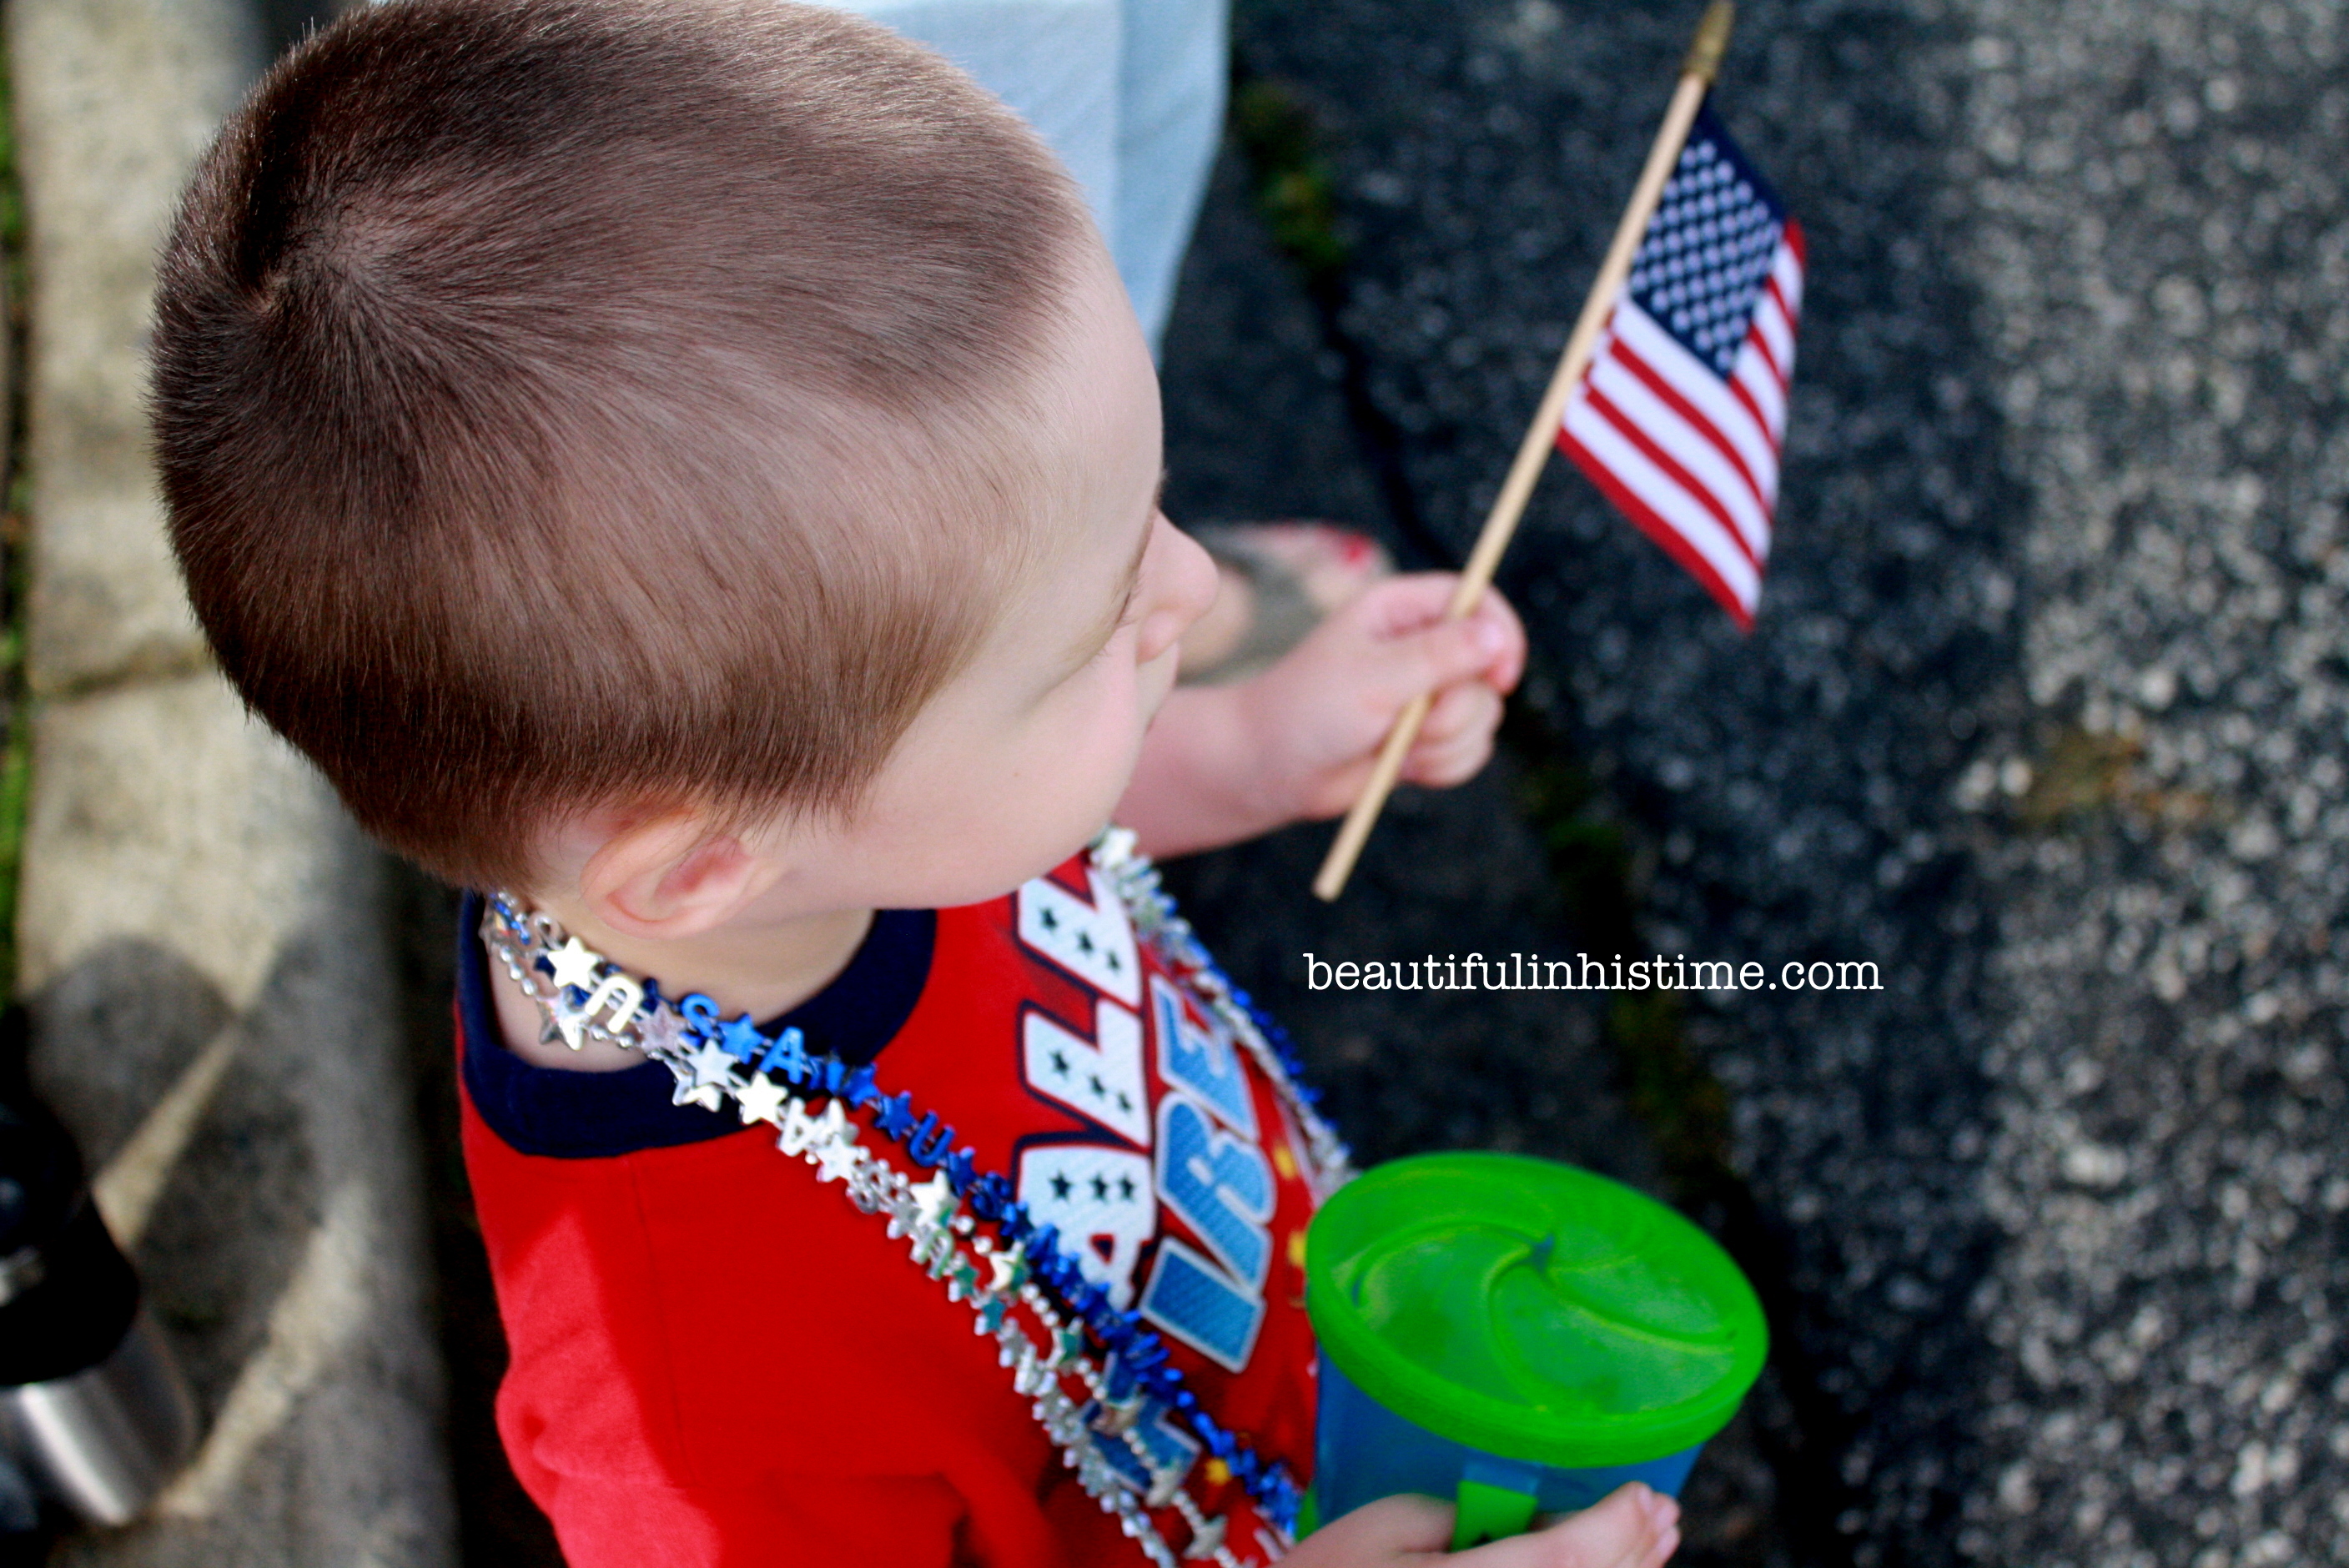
(1631, 1527)
(1297, 742)
(1321, 714)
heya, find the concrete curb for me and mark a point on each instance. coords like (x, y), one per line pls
(202, 931)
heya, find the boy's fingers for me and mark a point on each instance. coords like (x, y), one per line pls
(1399, 607)
(1447, 653)
(1454, 766)
(1457, 738)
(1469, 708)
(1506, 672)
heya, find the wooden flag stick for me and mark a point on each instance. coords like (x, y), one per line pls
(1696, 76)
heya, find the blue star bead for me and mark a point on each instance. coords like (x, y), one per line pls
(990, 1196)
(1016, 1224)
(742, 1038)
(1044, 1251)
(1280, 1488)
(860, 1089)
(895, 1116)
(962, 1169)
(1163, 1380)
(1057, 1270)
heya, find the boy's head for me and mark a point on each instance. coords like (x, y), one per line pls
(583, 412)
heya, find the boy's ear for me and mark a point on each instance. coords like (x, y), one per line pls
(670, 877)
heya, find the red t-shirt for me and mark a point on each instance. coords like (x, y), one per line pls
(719, 1360)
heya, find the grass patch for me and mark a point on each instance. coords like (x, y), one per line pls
(2082, 776)
(1294, 190)
(16, 727)
(1295, 193)
(1684, 1107)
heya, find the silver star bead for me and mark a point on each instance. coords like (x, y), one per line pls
(564, 1024)
(760, 1100)
(833, 1126)
(936, 1198)
(1010, 1270)
(711, 1066)
(706, 1096)
(663, 1033)
(1206, 1540)
(1094, 1474)
(1116, 1415)
(1058, 1413)
(837, 1160)
(1164, 1483)
(573, 964)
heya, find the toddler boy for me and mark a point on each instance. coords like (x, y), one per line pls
(690, 466)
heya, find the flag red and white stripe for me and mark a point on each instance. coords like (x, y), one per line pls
(1682, 414)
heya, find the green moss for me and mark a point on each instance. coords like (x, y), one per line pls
(1590, 855)
(12, 201)
(1294, 190)
(1684, 1107)
(14, 485)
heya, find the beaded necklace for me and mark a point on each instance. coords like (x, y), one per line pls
(1124, 1382)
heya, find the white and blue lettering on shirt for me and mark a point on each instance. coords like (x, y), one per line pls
(1185, 1143)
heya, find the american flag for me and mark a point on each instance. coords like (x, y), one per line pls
(1681, 418)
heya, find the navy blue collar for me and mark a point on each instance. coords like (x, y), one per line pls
(588, 1116)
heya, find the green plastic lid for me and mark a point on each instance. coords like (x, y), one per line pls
(1531, 1310)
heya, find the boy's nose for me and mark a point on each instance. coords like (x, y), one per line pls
(1179, 580)
(1193, 580)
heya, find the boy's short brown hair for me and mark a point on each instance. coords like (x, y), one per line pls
(578, 403)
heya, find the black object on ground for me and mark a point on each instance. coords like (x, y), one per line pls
(93, 1414)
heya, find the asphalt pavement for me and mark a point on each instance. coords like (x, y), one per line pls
(2042, 713)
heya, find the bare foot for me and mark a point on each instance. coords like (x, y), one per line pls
(1280, 579)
